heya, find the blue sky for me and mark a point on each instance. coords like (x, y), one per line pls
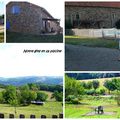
(1, 7)
(13, 62)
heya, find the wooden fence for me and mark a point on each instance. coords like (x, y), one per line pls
(31, 116)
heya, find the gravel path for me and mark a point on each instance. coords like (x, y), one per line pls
(82, 58)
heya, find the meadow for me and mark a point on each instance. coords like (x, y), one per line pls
(12, 37)
(88, 105)
(91, 42)
(48, 109)
(83, 97)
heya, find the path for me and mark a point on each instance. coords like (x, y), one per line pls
(82, 58)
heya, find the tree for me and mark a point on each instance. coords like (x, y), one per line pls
(10, 96)
(72, 87)
(32, 95)
(25, 95)
(109, 85)
(33, 86)
(116, 83)
(1, 97)
(95, 84)
(41, 96)
(89, 85)
(58, 96)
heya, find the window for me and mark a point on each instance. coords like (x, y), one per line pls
(15, 10)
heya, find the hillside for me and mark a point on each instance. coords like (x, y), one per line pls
(17, 81)
(101, 80)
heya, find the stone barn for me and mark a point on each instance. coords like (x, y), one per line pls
(25, 17)
(92, 14)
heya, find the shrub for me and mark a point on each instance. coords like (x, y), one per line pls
(75, 101)
(70, 97)
(41, 96)
(90, 92)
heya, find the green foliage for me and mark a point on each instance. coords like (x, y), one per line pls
(117, 24)
(33, 86)
(9, 94)
(118, 97)
(95, 84)
(72, 87)
(70, 97)
(116, 83)
(90, 92)
(41, 96)
(58, 96)
(109, 85)
(1, 97)
(75, 101)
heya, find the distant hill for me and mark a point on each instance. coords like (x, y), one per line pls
(85, 76)
(17, 81)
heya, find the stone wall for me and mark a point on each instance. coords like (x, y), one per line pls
(29, 20)
(107, 16)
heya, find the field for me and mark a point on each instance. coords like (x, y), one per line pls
(91, 42)
(87, 106)
(12, 37)
(49, 109)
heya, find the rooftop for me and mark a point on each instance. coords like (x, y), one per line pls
(92, 4)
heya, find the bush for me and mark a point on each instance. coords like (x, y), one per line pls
(58, 96)
(90, 92)
(102, 91)
(41, 96)
(70, 97)
(75, 101)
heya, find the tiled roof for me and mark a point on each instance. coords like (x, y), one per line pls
(93, 4)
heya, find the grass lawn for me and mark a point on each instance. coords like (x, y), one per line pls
(79, 111)
(1, 37)
(12, 37)
(49, 109)
(91, 42)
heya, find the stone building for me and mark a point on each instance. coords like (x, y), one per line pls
(25, 17)
(92, 14)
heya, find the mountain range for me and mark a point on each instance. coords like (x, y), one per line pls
(17, 81)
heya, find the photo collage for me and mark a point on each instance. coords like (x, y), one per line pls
(59, 59)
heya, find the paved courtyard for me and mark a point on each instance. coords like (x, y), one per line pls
(82, 58)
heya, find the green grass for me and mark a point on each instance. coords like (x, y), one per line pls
(78, 111)
(1, 37)
(49, 109)
(12, 37)
(91, 42)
